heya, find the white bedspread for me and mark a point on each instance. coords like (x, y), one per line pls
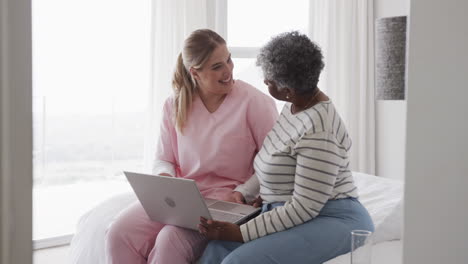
(382, 198)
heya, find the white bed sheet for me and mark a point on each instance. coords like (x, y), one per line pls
(382, 198)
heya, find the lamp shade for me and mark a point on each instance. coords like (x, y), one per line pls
(390, 58)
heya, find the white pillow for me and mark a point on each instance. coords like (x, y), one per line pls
(383, 198)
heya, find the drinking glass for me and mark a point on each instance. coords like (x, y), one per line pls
(361, 247)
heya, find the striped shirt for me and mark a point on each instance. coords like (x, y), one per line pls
(304, 162)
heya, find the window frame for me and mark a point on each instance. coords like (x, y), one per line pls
(217, 19)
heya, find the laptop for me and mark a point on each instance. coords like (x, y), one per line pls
(178, 202)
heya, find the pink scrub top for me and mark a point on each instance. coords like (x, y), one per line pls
(217, 149)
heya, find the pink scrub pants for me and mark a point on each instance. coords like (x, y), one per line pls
(134, 239)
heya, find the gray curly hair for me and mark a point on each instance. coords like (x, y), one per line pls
(291, 60)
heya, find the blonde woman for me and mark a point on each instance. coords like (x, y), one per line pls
(212, 128)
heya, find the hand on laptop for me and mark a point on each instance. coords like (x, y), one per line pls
(257, 202)
(235, 197)
(217, 230)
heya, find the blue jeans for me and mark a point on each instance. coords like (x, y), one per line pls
(316, 241)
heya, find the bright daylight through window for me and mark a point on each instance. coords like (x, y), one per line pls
(91, 65)
(244, 35)
(91, 78)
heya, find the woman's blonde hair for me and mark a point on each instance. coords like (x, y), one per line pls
(198, 47)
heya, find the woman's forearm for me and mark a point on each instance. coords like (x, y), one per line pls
(250, 189)
(161, 167)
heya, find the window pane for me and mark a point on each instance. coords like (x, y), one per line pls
(245, 70)
(90, 85)
(251, 23)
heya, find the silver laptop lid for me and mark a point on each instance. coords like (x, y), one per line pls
(169, 200)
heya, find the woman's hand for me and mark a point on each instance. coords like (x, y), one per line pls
(235, 197)
(257, 202)
(217, 230)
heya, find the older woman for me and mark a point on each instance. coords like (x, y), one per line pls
(310, 201)
(212, 128)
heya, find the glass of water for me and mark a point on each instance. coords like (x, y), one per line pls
(361, 247)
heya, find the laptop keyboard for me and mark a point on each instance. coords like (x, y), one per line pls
(223, 216)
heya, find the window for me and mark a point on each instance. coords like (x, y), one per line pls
(91, 78)
(91, 66)
(247, 29)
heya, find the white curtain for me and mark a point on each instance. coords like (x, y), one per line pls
(172, 22)
(344, 30)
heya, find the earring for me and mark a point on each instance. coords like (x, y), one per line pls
(287, 96)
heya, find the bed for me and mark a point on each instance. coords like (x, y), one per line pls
(382, 197)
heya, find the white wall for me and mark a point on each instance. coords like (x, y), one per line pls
(390, 115)
(436, 211)
(15, 132)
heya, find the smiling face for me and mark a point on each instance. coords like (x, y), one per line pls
(215, 76)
